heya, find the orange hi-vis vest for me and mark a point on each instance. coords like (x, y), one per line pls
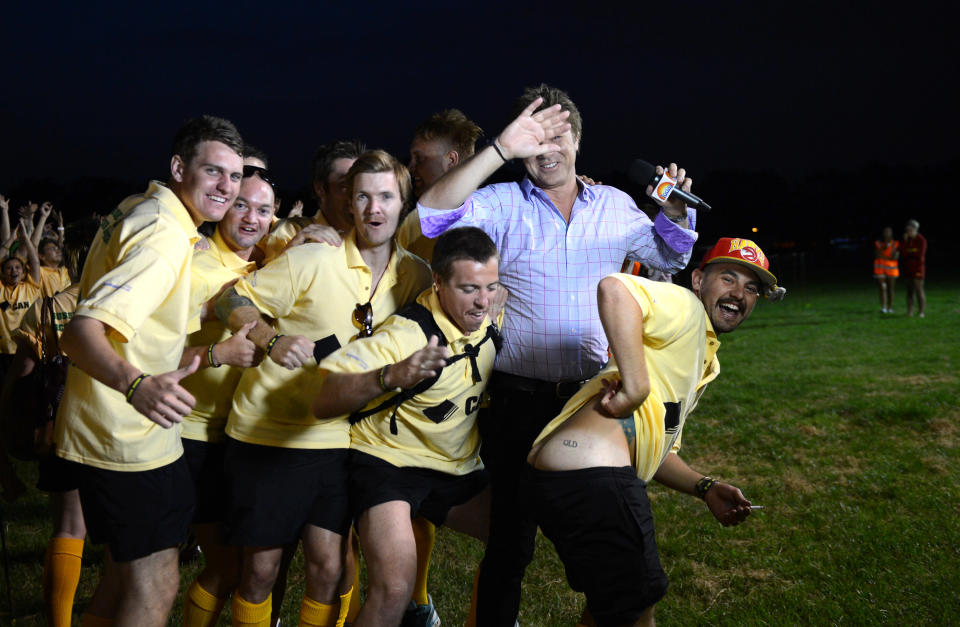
(883, 265)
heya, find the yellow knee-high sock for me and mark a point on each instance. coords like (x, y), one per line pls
(472, 612)
(61, 578)
(344, 607)
(316, 614)
(354, 607)
(200, 608)
(91, 620)
(425, 534)
(247, 614)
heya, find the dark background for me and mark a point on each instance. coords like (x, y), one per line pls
(816, 124)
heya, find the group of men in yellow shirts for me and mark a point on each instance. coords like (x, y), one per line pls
(339, 384)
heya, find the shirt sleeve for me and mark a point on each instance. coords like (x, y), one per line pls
(125, 296)
(30, 325)
(393, 341)
(661, 244)
(481, 210)
(271, 288)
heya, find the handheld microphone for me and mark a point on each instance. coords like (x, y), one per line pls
(643, 173)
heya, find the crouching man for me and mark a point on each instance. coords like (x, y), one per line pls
(413, 389)
(589, 467)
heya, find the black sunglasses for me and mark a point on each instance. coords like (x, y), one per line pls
(250, 170)
(363, 319)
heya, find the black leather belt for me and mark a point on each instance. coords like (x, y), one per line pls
(517, 383)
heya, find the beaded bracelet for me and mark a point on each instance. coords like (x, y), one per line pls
(210, 360)
(273, 341)
(704, 485)
(133, 387)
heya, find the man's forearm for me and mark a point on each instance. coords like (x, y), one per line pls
(343, 393)
(85, 341)
(453, 188)
(674, 473)
(235, 311)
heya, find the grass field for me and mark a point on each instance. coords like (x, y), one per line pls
(844, 423)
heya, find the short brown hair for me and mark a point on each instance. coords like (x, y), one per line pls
(375, 161)
(465, 242)
(551, 96)
(328, 153)
(452, 125)
(203, 129)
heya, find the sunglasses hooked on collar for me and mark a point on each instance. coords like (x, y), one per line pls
(250, 170)
(363, 319)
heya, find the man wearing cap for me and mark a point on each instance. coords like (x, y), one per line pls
(587, 471)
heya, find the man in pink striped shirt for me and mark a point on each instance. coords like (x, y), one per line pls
(557, 238)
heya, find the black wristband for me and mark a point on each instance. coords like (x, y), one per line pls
(493, 142)
(704, 485)
(273, 341)
(133, 387)
(210, 361)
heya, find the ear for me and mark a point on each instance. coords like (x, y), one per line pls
(451, 159)
(696, 281)
(320, 191)
(177, 168)
(436, 281)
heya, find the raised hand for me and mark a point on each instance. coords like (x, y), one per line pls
(531, 134)
(162, 399)
(296, 210)
(674, 205)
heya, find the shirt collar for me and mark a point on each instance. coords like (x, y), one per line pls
(429, 299)
(166, 196)
(228, 258)
(585, 193)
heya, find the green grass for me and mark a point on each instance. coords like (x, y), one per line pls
(844, 423)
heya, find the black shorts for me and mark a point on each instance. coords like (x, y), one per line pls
(274, 492)
(205, 460)
(54, 474)
(600, 522)
(430, 493)
(136, 513)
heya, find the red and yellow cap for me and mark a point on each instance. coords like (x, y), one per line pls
(745, 253)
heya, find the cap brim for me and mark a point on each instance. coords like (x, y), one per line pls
(766, 277)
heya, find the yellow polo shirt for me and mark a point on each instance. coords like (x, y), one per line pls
(437, 428)
(212, 387)
(137, 282)
(680, 348)
(14, 302)
(63, 304)
(53, 280)
(312, 290)
(284, 231)
(410, 235)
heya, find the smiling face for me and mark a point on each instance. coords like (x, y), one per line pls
(376, 208)
(558, 168)
(50, 255)
(465, 296)
(209, 184)
(729, 292)
(13, 271)
(250, 217)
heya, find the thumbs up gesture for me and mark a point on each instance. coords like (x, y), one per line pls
(239, 350)
(162, 399)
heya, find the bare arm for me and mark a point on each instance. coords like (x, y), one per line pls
(623, 324)
(237, 350)
(726, 502)
(32, 259)
(527, 136)
(159, 397)
(236, 311)
(45, 210)
(344, 392)
(4, 218)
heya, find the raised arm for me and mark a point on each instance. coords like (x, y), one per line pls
(45, 210)
(623, 323)
(32, 259)
(4, 218)
(344, 392)
(526, 136)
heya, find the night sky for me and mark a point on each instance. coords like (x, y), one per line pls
(799, 99)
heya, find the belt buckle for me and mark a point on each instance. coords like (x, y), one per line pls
(566, 389)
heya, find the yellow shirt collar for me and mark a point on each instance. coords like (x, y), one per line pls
(228, 258)
(170, 200)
